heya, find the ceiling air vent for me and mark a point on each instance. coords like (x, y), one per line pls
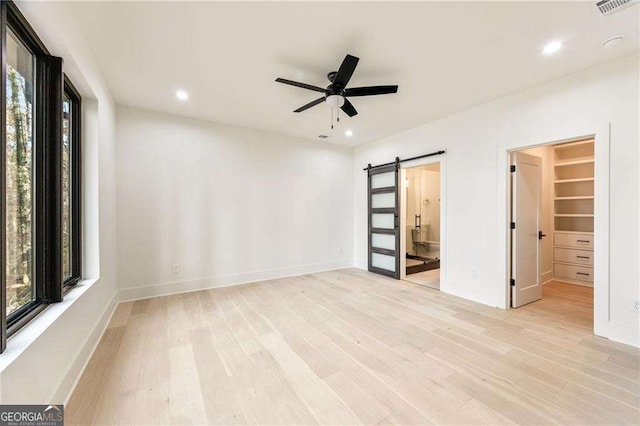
(609, 7)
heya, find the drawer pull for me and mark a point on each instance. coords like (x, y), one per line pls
(582, 257)
(583, 241)
(582, 273)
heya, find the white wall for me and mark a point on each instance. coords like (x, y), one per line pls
(475, 139)
(227, 204)
(43, 360)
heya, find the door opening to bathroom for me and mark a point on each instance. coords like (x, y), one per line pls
(421, 228)
(386, 198)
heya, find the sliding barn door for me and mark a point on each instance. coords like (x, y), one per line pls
(384, 232)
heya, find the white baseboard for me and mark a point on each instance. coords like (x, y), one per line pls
(547, 277)
(71, 379)
(629, 334)
(165, 289)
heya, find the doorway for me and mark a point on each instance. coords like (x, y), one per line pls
(552, 214)
(421, 224)
(388, 226)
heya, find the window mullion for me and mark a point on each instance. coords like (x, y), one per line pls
(51, 87)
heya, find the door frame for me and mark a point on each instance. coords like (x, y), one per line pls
(601, 136)
(442, 159)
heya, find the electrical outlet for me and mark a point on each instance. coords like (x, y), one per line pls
(636, 305)
(175, 268)
(474, 274)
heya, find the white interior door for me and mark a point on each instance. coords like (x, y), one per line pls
(526, 205)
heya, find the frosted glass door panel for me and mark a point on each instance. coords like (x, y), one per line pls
(384, 236)
(383, 180)
(384, 241)
(387, 199)
(383, 261)
(382, 220)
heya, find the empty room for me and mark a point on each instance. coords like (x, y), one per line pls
(335, 213)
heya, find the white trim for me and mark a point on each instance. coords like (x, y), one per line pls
(403, 223)
(39, 325)
(165, 289)
(442, 159)
(601, 232)
(624, 333)
(85, 353)
(547, 277)
(601, 134)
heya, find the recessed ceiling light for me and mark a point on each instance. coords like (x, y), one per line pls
(612, 42)
(552, 47)
(182, 95)
(348, 133)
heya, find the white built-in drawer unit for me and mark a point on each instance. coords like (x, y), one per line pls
(574, 211)
(573, 272)
(573, 240)
(567, 255)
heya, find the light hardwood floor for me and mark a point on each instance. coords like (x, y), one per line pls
(430, 278)
(348, 347)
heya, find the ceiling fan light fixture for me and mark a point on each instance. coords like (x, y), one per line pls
(335, 101)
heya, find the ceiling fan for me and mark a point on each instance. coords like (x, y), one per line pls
(336, 93)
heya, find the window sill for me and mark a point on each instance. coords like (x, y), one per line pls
(23, 338)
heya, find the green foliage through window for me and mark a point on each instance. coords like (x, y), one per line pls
(19, 174)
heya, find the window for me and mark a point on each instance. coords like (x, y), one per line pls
(70, 184)
(66, 187)
(40, 176)
(19, 192)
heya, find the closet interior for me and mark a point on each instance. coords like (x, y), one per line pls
(573, 211)
(567, 211)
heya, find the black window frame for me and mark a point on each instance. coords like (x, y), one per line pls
(50, 86)
(76, 190)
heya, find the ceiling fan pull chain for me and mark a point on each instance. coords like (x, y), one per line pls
(331, 118)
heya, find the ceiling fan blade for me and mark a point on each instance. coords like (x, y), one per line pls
(302, 85)
(348, 108)
(346, 70)
(311, 104)
(370, 91)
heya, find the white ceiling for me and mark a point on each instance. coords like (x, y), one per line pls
(444, 56)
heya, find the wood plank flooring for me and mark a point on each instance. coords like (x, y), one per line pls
(430, 278)
(350, 347)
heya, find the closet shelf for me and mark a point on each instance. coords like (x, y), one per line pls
(574, 180)
(572, 144)
(573, 215)
(574, 232)
(579, 197)
(574, 163)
